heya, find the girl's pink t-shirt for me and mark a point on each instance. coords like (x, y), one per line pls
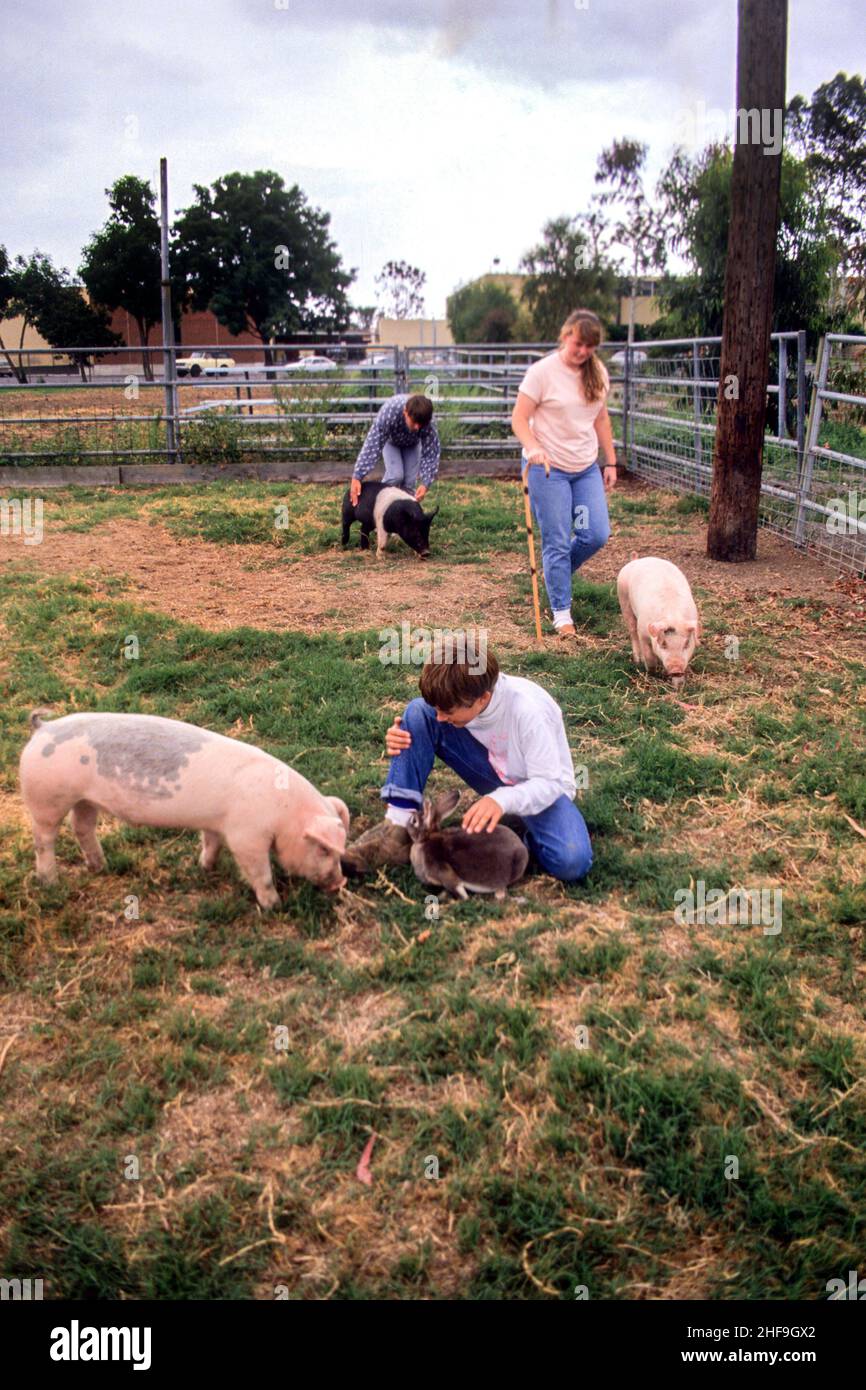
(563, 422)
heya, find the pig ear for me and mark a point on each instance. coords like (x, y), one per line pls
(428, 516)
(341, 808)
(325, 831)
(446, 802)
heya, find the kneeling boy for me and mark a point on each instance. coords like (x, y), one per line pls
(505, 737)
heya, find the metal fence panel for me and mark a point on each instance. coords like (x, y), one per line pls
(213, 405)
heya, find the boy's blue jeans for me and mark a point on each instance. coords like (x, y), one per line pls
(557, 836)
(571, 509)
(401, 466)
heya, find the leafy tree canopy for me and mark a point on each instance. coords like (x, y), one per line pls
(120, 264)
(696, 194)
(261, 258)
(562, 276)
(482, 312)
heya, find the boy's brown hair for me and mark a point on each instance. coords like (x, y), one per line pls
(420, 409)
(447, 685)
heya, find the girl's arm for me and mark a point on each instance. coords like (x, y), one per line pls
(522, 413)
(604, 430)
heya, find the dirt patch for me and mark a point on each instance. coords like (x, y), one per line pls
(220, 587)
(214, 1129)
(224, 586)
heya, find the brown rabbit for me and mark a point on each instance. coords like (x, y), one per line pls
(460, 861)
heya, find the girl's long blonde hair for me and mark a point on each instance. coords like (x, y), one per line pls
(587, 326)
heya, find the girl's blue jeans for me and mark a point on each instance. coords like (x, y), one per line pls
(571, 510)
(557, 836)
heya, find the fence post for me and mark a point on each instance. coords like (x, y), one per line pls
(801, 395)
(626, 406)
(804, 486)
(782, 417)
(696, 405)
(401, 367)
(172, 421)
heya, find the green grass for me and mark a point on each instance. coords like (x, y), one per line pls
(557, 1084)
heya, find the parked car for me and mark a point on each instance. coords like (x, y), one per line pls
(312, 364)
(378, 362)
(618, 358)
(203, 363)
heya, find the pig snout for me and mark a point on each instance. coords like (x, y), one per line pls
(417, 541)
(332, 879)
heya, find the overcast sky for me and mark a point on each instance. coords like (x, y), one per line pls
(442, 132)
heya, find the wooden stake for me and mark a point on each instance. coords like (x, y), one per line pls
(531, 543)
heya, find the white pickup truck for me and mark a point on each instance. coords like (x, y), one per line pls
(203, 363)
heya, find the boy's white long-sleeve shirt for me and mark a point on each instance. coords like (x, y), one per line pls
(524, 734)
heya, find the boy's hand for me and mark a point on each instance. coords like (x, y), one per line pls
(483, 815)
(354, 491)
(420, 492)
(396, 739)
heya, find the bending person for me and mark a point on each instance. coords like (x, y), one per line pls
(403, 433)
(561, 420)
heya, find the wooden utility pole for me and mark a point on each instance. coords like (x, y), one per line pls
(762, 31)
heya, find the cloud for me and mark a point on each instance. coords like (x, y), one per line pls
(552, 42)
(445, 132)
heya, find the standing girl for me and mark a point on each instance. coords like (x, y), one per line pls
(561, 420)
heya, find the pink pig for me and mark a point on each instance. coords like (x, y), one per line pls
(660, 615)
(151, 771)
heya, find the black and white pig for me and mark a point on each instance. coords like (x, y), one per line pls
(390, 512)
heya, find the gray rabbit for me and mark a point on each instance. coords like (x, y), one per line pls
(462, 861)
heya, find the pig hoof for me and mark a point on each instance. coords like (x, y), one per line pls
(95, 863)
(268, 901)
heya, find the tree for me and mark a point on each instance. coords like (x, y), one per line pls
(29, 284)
(260, 257)
(830, 133)
(482, 312)
(67, 321)
(562, 276)
(9, 309)
(738, 453)
(121, 264)
(640, 229)
(48, 301)
(364, 315)
(696, 197)
(401, 290)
